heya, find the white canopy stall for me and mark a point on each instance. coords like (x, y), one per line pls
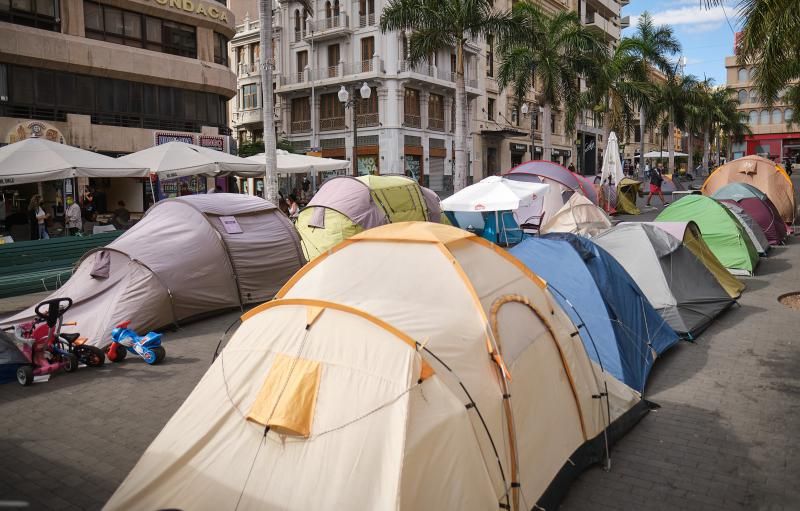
(179, 159)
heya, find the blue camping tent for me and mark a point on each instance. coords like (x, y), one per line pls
(618, 326)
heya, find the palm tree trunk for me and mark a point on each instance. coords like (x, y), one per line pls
(729, 153)
(690, 153)
(671, 141)
(270, 149)
(641, 140)
(546, 135)
(460, 177)
(706, 149)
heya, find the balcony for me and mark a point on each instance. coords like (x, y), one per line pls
(301, 126)
(367, 120)
(329, 28)
(249, 116)
(438, 73)
(366, 20)
(248, 70)
(332, 74)
(625, 22)
(412, 121)
(331, 123)
(436, 124)
(607, 8)
(603, 27)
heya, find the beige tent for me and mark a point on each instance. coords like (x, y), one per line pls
(578, 216)
(413, 366)
(762, 173)
(187, 257)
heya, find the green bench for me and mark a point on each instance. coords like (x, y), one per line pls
(44, 265)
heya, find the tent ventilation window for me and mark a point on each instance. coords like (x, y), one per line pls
(288, 396)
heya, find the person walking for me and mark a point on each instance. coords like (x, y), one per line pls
(36, 212)
(656, 179)
(73, 216)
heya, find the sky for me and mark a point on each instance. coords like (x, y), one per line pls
(706, 35)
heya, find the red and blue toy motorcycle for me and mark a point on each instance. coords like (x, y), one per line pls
(124, 340)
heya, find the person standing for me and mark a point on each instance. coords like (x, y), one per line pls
(41, 217)
(33, 223)
(656, 179)
(294, 208)
(73, 217)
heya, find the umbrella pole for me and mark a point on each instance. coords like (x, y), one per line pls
(152, 190)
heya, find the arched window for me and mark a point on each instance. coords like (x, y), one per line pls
(754, 96)
(776, 116)
(742, 75)
(328, 12)
(297, 20)
(336, 8)
(404, 46)
(788, 114)
(305, 17)
(753, 118)
(764, 117)
(743, 96)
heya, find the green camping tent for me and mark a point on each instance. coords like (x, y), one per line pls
(721, 231)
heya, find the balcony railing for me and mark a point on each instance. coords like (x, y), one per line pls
(332, 72)
(436, 124)
(366, 120)
(419, 68)
(332, 23)
(331, 123)
(412, 121)
(246, 69)
(302, 126)
(298, 35)
(365, 66)
(366, 20)
(435, 72)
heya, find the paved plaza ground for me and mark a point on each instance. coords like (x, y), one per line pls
(725, 437)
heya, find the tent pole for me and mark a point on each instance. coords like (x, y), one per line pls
(152, 191)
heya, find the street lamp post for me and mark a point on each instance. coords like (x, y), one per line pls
(525, 109)
(349, 100)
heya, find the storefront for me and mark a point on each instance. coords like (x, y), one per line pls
(560, 156)
(587, 154)
(517, 153)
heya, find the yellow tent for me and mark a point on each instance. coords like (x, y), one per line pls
(627, 193)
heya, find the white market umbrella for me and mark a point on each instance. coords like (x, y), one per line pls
(612, 165)
(35, 159)
(662, 154)
(179, 159)
(290, 163)
(495, 193)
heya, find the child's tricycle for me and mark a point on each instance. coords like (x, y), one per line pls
(47, 349)
(124, 340)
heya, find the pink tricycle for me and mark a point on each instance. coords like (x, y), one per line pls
(47, 349)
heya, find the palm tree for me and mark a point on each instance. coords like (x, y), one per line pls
(652, 46)
(445, 25)
(770, 45)
(694, 117)
(553, 52)
(672, 97)
(617, 91)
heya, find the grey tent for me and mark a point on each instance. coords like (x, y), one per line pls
(678, 285)
(751, 227)
(188, 257)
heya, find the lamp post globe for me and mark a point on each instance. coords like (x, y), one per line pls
(524, 109)
(343, 95)
(365, 91)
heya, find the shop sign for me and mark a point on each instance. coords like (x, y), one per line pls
(164, 138)
(195, 7)
(34, 129)
(518, 148)
(216, 143)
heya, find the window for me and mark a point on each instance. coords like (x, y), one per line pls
(249, 96)
(637, 134)
(490, 56)
(51, 95)
(42, 14)
(411, 109)
(333, 60)
(302, 62)
(301, 112)
(515, 116)
(788, 114)
(328, 10)
(777, 117)
(754, 96)
(452, 63)
(490, 110)
(367, 109)
(552, 123)
(367, 51)
(331, 115)
(220, 49)
(742, 75)
(436, 112)
(753, 118)
(764, 117)
(114, 25)
(743, 96)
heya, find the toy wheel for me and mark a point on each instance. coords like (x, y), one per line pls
(25, 375)
(71, 363)
(160, 353)
(117, 353)
(94, 356)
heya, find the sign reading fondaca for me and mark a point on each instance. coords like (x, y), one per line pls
(196, 7)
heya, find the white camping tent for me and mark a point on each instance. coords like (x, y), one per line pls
(178, 159)
(189, 256)
(36, 159)
(496, 193)
(290, 163)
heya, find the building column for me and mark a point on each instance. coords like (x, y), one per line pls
(391, 137)
(72, 20)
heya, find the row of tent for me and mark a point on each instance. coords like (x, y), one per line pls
(366, 383)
